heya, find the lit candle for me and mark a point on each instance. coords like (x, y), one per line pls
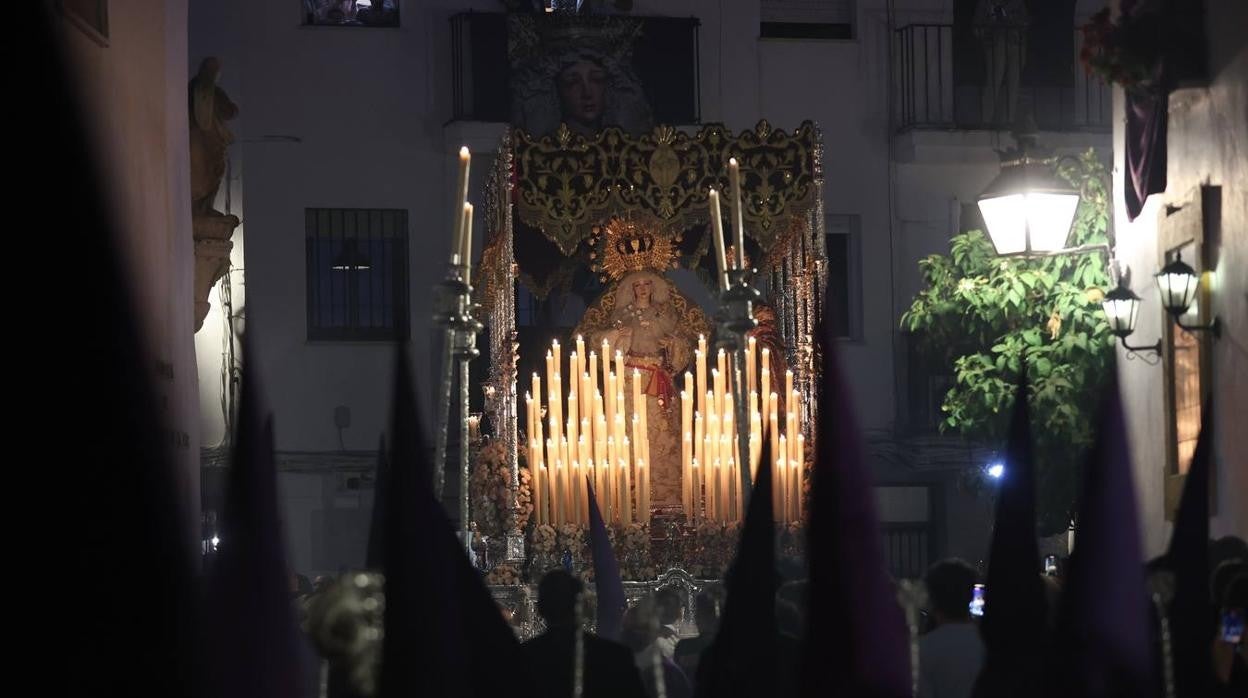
(764, 383)
(643, 492)
(717, 225)
(466, 238)
(573, 426)
(558, 501)
(696, 512)
(751, 366)
(799, 475)
(609, 402)
(593, 374)
(734, 178)
(725, 474)
(620, 376)
(790, 428)
(788, 389)
(781, 483)
(626, 490)
(461, 198)
(716, 398)
(535, 481)
(686, 482)
(609, 467)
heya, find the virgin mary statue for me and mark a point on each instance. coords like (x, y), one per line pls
(646, 318)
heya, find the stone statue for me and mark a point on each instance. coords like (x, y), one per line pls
(210, 108)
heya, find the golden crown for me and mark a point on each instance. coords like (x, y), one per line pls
(623, 246)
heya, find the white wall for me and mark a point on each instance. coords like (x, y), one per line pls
(135, 91)
(1208, 144)
(216, 30)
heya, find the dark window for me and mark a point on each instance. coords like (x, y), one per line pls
(844, 302)
(351, 13)
(806, 19)
(357, 274)
(804, 30)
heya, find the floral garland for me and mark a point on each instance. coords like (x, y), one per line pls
(491, 490)
(1127, 51)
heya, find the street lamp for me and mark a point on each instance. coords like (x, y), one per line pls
(1178, 283)
(1028, 209)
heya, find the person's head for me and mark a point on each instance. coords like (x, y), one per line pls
(794, 593)
(641, 625)
(1226, 572)
(1227, 548)
(707, 608)
(582, 86)
(788, 620)
(668, 603)
(950, 584)
(643, 289)
(557, 596)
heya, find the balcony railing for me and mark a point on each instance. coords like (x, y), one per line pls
(983, 78)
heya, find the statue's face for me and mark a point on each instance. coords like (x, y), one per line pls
(582, 87)
(642, 289)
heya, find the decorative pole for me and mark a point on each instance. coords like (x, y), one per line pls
(735, 318)
(454, 312)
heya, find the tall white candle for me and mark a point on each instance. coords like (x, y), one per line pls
(738, 214)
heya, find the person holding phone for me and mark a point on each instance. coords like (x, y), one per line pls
(951, 654)
(1230, 648)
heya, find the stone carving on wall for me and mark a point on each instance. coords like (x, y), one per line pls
(210, 109)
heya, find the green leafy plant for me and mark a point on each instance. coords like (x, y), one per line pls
(988, 316)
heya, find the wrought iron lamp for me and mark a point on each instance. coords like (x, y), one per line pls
(1121, 307)
(1178, 283)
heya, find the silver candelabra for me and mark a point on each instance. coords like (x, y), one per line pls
(453, 311)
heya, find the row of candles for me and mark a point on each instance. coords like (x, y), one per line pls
(590, 438)
(710, 450)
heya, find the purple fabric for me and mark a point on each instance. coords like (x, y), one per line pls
(607, 581)
(1191, 612)
(857, 644)
(1014, 591)
(1145, 148)
(1103, 635)
(255, 642)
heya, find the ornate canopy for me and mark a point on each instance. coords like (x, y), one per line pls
(566, 184)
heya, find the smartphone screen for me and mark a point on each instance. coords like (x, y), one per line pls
(977, 601)
(1050, 565)
(1233, 626)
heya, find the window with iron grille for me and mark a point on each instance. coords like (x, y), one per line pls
(357, 274)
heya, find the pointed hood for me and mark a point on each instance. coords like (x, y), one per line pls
(1014, 594)
(1192, 610)
(609, 585)
(444, 635)
(744, 652)
(856, 643)
(255, 642)
(1103, 633)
